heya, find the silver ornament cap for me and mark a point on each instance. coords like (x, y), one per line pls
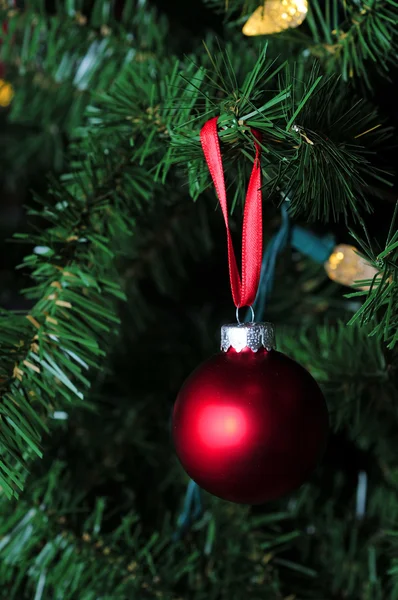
(248, 335)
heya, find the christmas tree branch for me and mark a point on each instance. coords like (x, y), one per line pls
(74, 262)
(355, 373)
(345, 36)
(380, 308)
(350, 534)
(74, 265)
(311, 140)
(57, 64)
(75, 292)
(368, 33)
(52, 542)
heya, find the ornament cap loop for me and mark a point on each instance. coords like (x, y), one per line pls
(251, 315)
(247, 335)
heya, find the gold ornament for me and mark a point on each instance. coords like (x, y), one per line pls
(6, 93)
(276, 16)
(345, 266)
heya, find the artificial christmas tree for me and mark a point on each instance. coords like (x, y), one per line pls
(123, 286)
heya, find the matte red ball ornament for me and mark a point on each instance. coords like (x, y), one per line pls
(250, 424)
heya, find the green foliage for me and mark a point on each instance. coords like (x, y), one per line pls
(348, 38)
(349, 547)
(356, 376)
(53, 546)
(114, 104)
(89, 218)
(75, 289)
(381, 303)
(321, 167)
(328, 175)
(338, 355)
(366, 34)
(313, 151)
(57, 63)
(74, 263)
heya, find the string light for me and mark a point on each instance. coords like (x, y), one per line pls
(346, 266)
(276, 16)
(343, 262)
(6, 93)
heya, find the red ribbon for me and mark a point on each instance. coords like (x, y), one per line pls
(243, 289)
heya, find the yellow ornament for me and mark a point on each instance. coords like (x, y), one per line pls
(276, 16)
(6, 93)
(345, 266)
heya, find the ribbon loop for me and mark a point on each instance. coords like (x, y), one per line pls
(244, 288)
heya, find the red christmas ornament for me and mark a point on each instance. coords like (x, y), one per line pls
(250, 424)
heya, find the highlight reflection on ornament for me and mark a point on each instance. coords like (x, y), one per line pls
(222, 426)
(346, 266)
(276, 16)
